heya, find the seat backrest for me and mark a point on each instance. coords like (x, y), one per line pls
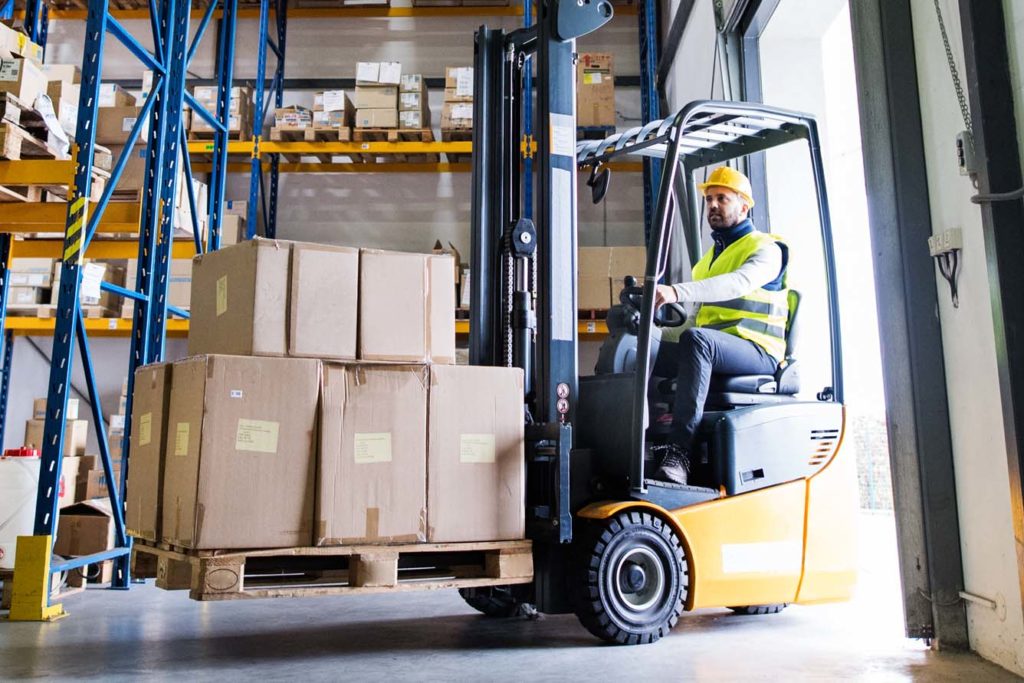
(793, 324)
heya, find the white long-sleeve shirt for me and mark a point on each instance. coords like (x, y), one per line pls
(759, 269)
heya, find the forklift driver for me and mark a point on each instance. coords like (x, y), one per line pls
(740, 327)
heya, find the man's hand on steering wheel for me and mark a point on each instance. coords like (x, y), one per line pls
(664, 294)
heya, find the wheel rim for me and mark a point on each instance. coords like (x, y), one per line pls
(639, 579)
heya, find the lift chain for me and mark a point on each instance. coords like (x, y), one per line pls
(965, 109)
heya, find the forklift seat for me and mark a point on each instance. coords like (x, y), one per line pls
(736, 390)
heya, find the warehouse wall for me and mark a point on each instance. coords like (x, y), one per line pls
(989, 555)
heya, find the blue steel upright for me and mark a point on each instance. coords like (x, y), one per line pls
(650, 109)
(281, 14)
(259, 112)
(225, 81)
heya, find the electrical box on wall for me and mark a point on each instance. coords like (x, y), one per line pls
(965, 154)
(945, 242)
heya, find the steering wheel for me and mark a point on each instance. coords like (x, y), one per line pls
(669, 315)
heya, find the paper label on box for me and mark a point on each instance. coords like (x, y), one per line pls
(181, 438)
(563, 135)
(10, 69)
(259, 436)
(334, 100)
(462, 111)
(117, 423)
(145, 429)
(464, 82)
(92, 276)
(127, 123)
(372, 447)
(476, 448)
(222, 295)
(235, 393)
(592, 78)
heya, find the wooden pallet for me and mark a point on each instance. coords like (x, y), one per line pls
(457, 135)
(58, 192)
(460, 3)
(327, 4)
(395, 135)
(236, 136)
(341, 570)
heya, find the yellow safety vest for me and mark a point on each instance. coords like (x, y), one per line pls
(760, 316)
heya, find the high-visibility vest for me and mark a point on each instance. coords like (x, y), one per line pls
(760, 316)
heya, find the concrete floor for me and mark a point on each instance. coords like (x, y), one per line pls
(149, 633)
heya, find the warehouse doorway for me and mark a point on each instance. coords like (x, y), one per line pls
(806, 63)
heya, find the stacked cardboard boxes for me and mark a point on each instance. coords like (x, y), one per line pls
(240, 112)
(595, 90)
(277, 329)
(293, 118)
(413, 107)
(333, 110)
(94, 273)
(34, 282)
(30, 281)
(457, 113)
(377, 86)
(63, 87)
(21, 66)
(117, 115)
(602, 271)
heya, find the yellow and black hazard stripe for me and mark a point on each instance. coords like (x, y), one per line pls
(74, 237)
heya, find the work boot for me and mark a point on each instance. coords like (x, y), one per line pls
(675, 464)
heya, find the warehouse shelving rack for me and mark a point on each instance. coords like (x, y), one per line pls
(167, 146)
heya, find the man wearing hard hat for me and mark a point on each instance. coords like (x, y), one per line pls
(740, 328)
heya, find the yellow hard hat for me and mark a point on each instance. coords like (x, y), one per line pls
(726, 176)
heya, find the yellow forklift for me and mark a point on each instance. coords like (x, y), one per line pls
(769, 516)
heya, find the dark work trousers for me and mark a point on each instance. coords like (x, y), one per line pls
(699, 353)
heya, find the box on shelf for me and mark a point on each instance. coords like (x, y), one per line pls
(376, 97)
(179, 285)
(458, 84)
(94, 272)
(230, 420)
(379, 73)
(39, 409)
(413, 83)
(65, 98)
(334, 100)
(595, 90)
(373, 454)
(93, 483)
(601, 271)
(377, 118)
(457, 116)
(26, 295)
(84, 529)
(332, 119)
(414, 120)
(134, 172)
(22, 78)
(31, 272)
(293, 117)
(14, 42)
(240, 100)
(113, 95)
(76, 434)
(67, 492)
(406, 307)
(68, 73)
(475, 461)
(113, 124)
(149, 430)
(232, 231)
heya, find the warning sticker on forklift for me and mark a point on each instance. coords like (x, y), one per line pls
(181, 439)
(259, 436)
(222, 295)
(563, 135)
(370, 447)
(476, 448)
(145, 429)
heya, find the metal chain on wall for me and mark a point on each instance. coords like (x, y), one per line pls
(965, 109)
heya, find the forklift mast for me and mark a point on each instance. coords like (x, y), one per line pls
(523, 300)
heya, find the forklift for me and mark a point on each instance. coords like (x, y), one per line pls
(769, 516)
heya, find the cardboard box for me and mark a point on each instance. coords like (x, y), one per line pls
(31, 272)
(335, 100)
(149, 431)
(68, 73)
(14, 42)
(373, 455)
(412, 101)
(67, 491)
(458, 84)
(179, 285)
(239, 102)
(456, 116)
(412, 83)
(239, 300)
(379, 73)
(414, 120)
(76, 435)
(376, 97)
(113, 95)
(135, 170)
(333, 119)
(62, 90)
(232, 231)
(26, 295)
(84, 528)
(293, 117)
(113, 124)
(377, 118)
(23, 79)
(406, 307)
(39, 409)
(67, 116)
(475, 458)
(93, 484)
(601, 271)
(240, 453)
(595, 90)
(323, 300)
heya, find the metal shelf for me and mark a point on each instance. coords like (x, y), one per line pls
(96, 327)
(338, 12)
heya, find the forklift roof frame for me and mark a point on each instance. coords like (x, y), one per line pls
(704, 133)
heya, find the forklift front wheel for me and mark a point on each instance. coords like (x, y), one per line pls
(632, 578)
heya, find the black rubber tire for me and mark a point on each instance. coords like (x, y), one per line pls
(760, 609)
(601, 601)
(499, 602)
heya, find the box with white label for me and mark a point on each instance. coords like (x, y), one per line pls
(412, 83)
(595, 89)
(31, 272)
(240, 452)
(457, 116)
(372, 481)
(39, 409)
(113, 124)
(23, 79)
(113, 95)
(458, 84)
(146, 475)
(475, 461)
(378, 73)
